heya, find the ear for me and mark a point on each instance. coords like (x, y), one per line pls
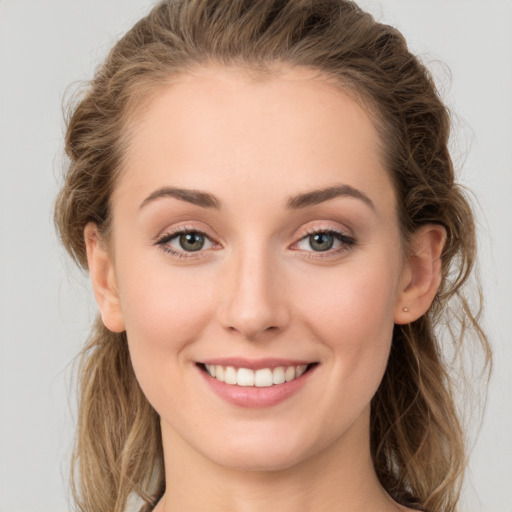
(422, 273)
(103, 279)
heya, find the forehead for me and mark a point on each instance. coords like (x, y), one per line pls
(285, 129)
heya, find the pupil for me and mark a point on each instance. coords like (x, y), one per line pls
(321, 241)
(191, 241)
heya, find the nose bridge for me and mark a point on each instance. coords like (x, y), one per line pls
(255, 302)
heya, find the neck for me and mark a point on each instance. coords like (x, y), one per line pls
(341, 477)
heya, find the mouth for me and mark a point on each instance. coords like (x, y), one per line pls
(259, 378)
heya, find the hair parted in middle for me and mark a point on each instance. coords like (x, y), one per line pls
(416, 439)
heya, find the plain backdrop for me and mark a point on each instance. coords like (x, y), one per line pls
(46, 305)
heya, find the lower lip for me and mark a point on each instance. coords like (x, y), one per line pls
(252, 396)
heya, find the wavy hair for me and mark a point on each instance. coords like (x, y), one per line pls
(417, 441)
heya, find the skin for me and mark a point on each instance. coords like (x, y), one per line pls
(258, 289)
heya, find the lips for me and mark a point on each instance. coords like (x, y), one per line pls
(262, 383)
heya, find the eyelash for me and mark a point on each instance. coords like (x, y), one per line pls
(165, 239)
(347, 242)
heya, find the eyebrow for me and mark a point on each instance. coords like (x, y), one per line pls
(207, 200)
(203, 199)
(325, 194)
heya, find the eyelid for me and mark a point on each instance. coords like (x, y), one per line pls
(346, 240)
(166, 236)
(324, 227)
(183, 227)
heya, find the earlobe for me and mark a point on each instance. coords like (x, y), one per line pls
(103, 280)
(423, 273)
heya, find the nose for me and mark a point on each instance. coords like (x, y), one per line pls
(254, 302)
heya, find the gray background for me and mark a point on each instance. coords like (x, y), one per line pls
(46, 305)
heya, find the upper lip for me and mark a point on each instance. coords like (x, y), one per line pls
(255, 364)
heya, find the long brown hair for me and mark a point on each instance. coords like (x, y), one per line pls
(417, 441)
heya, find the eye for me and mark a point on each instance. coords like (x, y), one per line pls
(191, 242)
(321, 241)
(185, 241)
(325, 241)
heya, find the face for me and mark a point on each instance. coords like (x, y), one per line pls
(255, 238)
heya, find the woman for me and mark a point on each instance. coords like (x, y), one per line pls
(264, 198)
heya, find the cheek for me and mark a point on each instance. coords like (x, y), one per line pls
(352, 316)
(159, 301)
(164, 311)
(351, 301)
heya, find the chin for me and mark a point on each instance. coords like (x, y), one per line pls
(259, 461)
(264, 453)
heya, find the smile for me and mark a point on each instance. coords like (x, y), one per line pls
(256, 383)
(261, 378)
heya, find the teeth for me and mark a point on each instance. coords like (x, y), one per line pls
(300, 370)
(245, 377)
(289, 374)
(230, 375)
(278, 375)
(264, 377)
